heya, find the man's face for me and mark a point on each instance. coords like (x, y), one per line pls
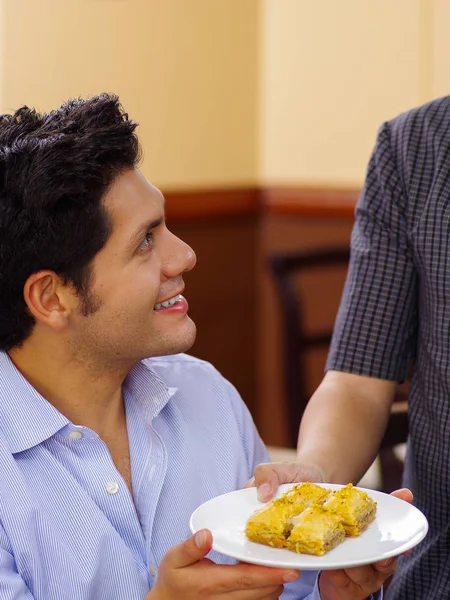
(139, 269)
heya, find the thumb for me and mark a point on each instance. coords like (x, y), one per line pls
(190, 551)
(404, 494)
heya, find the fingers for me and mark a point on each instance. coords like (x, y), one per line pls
(372, 577)
(386, 567)
(185, 569)
(243, 577)
(403, 494)
(350, 584)
(357, 582)
(191, 551)
(407, 496)
(268, 476)
(367, 579)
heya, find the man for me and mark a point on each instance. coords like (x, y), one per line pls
(394, 310)
(104, 452)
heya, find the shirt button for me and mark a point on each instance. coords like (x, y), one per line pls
(75, 435)
(152, 570)
(112, 487)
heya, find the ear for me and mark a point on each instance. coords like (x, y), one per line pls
(48, 299)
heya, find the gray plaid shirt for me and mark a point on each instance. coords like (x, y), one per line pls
(396, 308)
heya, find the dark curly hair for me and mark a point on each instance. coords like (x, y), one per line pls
(54, 171)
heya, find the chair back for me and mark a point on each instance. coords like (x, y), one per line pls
(299, 341)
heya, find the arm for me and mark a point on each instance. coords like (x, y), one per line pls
(374, 336)
(346, 412)
(344, 408)
(375, 333)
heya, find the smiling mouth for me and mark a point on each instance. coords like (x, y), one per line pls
(167, 303)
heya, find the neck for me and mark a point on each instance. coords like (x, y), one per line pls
(85, 394)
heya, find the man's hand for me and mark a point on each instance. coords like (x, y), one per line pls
(268, 476)
(186, 573)
(359, 582)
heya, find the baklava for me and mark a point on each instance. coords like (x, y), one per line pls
(354, 507)
(272, 524)
(315, 531)
(311, 519)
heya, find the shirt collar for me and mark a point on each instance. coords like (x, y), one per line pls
(144, 386)
(28, 419)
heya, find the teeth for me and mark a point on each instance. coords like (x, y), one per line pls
(167, 303)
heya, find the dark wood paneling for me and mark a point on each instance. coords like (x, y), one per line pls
(231, 293)
(233, 202)
(216, 204)
(310, 202)
(222, 296)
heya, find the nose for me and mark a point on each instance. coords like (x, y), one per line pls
(191, 257)
(180, 259)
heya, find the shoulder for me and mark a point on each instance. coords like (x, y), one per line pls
(429, 118)
(204, 400)
(439, 106)
(411, 148)
(188, 373)
(197, 381)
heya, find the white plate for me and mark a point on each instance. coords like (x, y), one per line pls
(398, 527)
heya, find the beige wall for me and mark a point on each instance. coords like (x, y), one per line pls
(233, 92)
(440, 40)
(331, 73)
(185, 69)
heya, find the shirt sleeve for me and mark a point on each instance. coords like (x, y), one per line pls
(375, 328)
(12, 586)
(305, 588)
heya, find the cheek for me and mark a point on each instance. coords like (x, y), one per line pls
(132, 290)
(147, 278)
(135, 301)
(143, 287)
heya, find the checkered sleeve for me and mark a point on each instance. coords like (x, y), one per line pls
(375, 326)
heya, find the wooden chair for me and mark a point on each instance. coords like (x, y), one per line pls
(299, 341)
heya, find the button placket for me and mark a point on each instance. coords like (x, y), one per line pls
(154, 479)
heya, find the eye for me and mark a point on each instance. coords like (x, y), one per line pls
(147, 242)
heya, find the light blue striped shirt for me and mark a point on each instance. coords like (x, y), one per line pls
(68, 525)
